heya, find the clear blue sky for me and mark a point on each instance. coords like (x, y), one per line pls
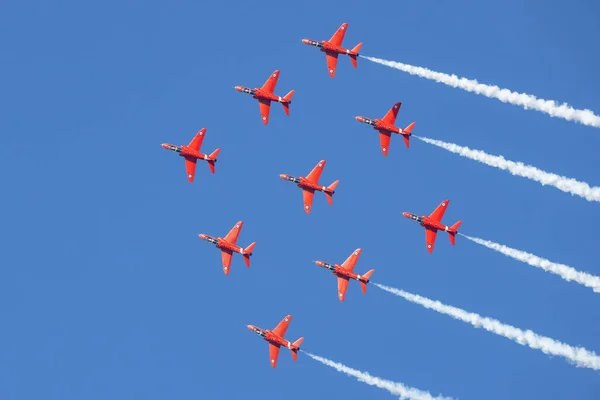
(106, 291)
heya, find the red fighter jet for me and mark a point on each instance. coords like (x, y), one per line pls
(310, 184)
(191, 153)
(344, 273)
(333, 47)
(433, 223)
(275, 339)
(386, 127)
(265, 96)
(228, 246)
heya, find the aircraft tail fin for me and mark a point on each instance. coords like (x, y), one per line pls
(248, 253)
(212, 159)
(406, 132)
(296, 347)
(363, 284)
(286, 101)
(453, 231)
(330, 191)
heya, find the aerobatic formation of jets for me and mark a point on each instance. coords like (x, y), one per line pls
(309, 185)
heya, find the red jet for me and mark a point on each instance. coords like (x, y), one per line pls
(191, 153)
(265, 96)
(386, 127)
(275, 339)
(344, 273)
(333, 47)
(228, 246)
(311, 183)
(433, 223)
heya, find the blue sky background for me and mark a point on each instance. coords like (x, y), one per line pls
(107, 292)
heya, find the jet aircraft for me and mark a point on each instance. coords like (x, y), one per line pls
(265, 96)
(311, 183)
(386, 127)
(344, 273)
(228, 247)
(333, 47)
(191, 153)
(432, 224)
(275, 339)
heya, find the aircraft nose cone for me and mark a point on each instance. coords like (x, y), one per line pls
(202, 236)
(359, 119)
(319, 263)
(406, 214)
(305, 41)
(283, 176)
(250, 327)
(164, 145)
(238, 88)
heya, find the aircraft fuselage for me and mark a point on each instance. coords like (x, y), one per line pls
(260, 94)
(327, 47)
(270, 337)
(185, 151)
(304, 183)
(222, 243)
(379, 125)
(339, 271)
(427, 222)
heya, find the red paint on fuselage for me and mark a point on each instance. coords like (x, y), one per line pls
(427, 222)
(306, 184)
(222, 243)
(259, 94)
(341, 272)
(271, 337)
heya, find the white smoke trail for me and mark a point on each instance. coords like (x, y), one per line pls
(564, 271)
(568, 185)
(577, 355)
(396, 388)
(527, 101)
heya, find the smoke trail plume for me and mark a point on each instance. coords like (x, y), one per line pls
(577, 355)
(527, 101)
(564, 271)
(563, 183)
(396, 388)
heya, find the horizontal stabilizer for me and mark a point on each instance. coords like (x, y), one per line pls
(248, 253)
(286, 101)
(212, 159)
(452, 231)
(367, 276)
(296, 347)
(354, 55)
(330, 191)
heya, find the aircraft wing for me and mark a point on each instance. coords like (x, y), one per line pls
(196, 142)
(390, 116)
(430, 235)
(281, 327)
(438, 213)
(273, 354)
(233, 234)
(384, 141)
(226, 259)
(332, 59)
(315, 174)
(190, 167)
(265, 108)
(350, 262)
(342, 287)
(270, 84)
(308, 195)
(338, 36)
